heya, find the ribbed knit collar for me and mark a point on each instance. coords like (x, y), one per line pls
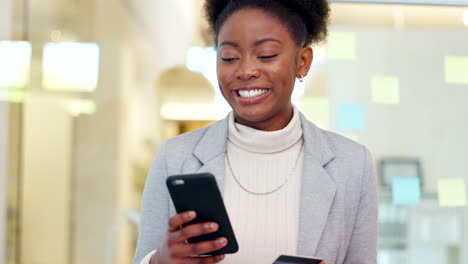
(260, 141)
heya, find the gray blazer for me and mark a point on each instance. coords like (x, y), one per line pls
(338, 218)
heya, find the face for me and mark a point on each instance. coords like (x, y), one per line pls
(257, 64)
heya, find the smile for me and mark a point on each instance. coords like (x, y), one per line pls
(252, 93)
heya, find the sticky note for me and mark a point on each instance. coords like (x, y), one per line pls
(316, 110)
(406, 190)
(341, 46)
(351, 116)
(451, 192)
(385, 89)
(456, 70)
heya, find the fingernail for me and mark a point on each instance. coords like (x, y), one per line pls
(191, 214)
(222, 241)
(212, 226)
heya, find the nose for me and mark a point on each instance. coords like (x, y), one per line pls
(247, 70)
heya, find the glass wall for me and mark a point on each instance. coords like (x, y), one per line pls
(402, 91)
(89, 89)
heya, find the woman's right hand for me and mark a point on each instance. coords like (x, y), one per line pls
(176, 250)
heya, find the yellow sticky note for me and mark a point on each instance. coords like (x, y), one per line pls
(385, 89)
(451, 192)
(316, 110)
(456, 70)
(341, 45)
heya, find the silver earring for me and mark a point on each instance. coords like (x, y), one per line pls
(301, 78)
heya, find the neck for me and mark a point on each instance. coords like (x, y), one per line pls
(273, 123)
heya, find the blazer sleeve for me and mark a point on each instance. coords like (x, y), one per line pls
(363, 246)
(154, 209)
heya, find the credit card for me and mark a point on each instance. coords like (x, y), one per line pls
(283, 259)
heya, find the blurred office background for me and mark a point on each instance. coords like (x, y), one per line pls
(90, 88)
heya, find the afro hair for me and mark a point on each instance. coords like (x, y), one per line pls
(307, 20)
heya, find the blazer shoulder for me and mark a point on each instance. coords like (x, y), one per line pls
(187, 142)
(352, 156)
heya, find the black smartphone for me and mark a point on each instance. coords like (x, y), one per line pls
(283, 259)
(200, 193)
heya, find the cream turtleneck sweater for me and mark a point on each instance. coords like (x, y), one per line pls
(266, 226)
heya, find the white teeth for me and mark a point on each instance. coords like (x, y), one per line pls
(252, 93)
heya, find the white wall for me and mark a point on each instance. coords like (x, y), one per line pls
(105, 141)
(45, 221)
(171, 26)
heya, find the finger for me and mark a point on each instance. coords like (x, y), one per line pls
(205, 260)
(200, 248)
(179, 219)
(190, 231)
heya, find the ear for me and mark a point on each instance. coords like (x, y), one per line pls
(305, 58)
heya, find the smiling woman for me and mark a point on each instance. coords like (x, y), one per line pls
(288, 186)
(258, 53)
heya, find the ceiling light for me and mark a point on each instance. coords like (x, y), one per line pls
(14, 63)
(70, 66)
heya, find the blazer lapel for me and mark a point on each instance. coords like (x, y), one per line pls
(209, 153)
(318, 188)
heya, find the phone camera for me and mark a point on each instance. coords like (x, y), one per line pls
(178, 182)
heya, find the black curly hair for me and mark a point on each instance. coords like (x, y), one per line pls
(306, 20)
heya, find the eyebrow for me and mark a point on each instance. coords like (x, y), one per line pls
(261, 41)
(257, 43)
(228, 43)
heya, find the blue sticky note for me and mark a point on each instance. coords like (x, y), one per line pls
(406, 191)
(351, 116)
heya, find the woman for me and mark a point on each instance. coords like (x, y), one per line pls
(289, 187)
